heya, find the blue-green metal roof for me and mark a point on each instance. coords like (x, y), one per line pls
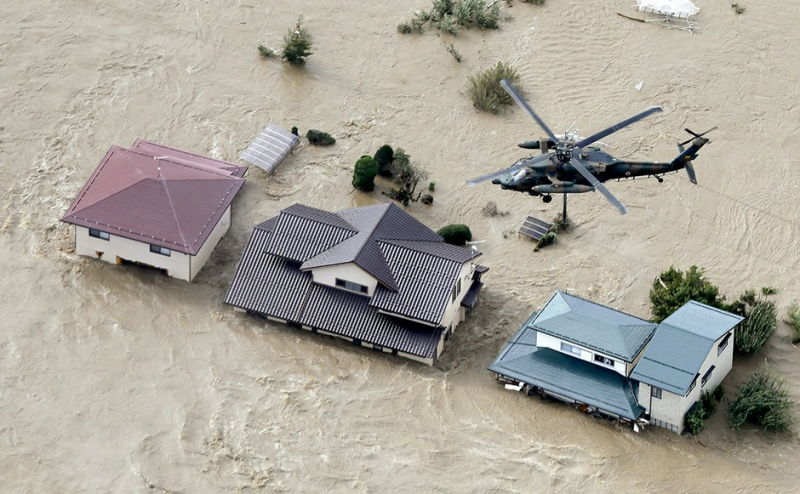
(558, 373)
(594, 326)
(680, 346)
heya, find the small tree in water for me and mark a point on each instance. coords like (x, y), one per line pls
(407, 176)
(297, 44)
(673, 288)
(456, 234)
(364, 174)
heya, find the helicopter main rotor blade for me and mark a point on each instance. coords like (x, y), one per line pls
(507, 171)
(579, 165)
(521, 102)
(614, 128)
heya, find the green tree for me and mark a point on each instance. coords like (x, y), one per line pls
(762, 400)
(673, 288)
(364, 174)
(297, 44)
(319, 138)
(456, 234)
(485, 90)
(384, 156)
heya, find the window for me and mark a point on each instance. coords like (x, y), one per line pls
(160, 250)
(353, 287)
(600, 359)
(570, 349)
(655, 392)
(694, 381)
(98, 234)
(456, 290)
(707, 375)
(723, 344)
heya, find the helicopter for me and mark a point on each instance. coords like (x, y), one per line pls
(569, 165)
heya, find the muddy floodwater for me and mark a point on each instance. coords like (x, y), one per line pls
(119, 379)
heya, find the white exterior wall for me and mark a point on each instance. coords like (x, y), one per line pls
(177, 264)
(455, 313)
(211, 243)
(548, 341)
(326, 275)
(672, 408)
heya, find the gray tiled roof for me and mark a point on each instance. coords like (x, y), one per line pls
(267, 284)
(594, 326)
(570, 377)
(350, 315)
(680, 346)
(416, 274)
(424, 283)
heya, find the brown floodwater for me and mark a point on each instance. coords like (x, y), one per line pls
(123, 380)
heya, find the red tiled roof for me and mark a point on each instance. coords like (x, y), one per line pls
(157, 195)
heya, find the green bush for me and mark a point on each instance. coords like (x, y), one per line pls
(485, 90)
(456, 234)
(364, 174)
(759, 324)
(762, 400)
(709, 402)
(673, 288)
(319, 138)
(719, 393)
(266, 52)
(384, 156)
(432, 186)
(448, 15)
(548, 238)
(297, 44)
(427, 199)
(695, 418)
(407, 176)
(793, 320)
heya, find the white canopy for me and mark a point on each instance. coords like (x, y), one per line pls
(675, 8)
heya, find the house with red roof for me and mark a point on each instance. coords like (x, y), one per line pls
(155, 206)
(374, 276)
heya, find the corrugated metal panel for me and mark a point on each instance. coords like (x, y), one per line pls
(672, 359)
(153, 199)
(703, 320)
(594, 326)
(267, 284)
(573, 378)
(424, 284)
(350, 315)
(270, 148)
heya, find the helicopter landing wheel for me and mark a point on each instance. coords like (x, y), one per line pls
(660, 180)
(547, 199)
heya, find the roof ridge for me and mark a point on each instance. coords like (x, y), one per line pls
(604, 306)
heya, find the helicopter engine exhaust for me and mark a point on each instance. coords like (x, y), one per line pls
(554, 189)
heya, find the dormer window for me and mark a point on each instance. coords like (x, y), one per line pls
(350, 286)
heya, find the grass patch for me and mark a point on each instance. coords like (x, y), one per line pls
(793, 320)
(760, 323)
(450, 15)
(453, 51)
(266, 51)
(485, 90)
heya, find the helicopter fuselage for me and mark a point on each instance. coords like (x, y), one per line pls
(557, 175)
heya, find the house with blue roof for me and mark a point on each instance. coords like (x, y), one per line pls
(374, 276)
(619, 365)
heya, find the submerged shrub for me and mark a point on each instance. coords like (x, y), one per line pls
(448, 15)
(456, 234)
(793, 320)
(364, 174)
(695, 418)
(297, 44)
(759, 324)
(762, 400)
(266, 52)
(319, 138)
(485, 90)
(384, 156)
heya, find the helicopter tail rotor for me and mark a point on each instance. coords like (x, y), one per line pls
(695, 135)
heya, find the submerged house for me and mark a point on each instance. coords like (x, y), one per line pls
(619, 365)
(372, 275)
(156, 206)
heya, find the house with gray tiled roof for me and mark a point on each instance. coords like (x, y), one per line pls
(155, 206)
(618, 365)
(372, 275)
